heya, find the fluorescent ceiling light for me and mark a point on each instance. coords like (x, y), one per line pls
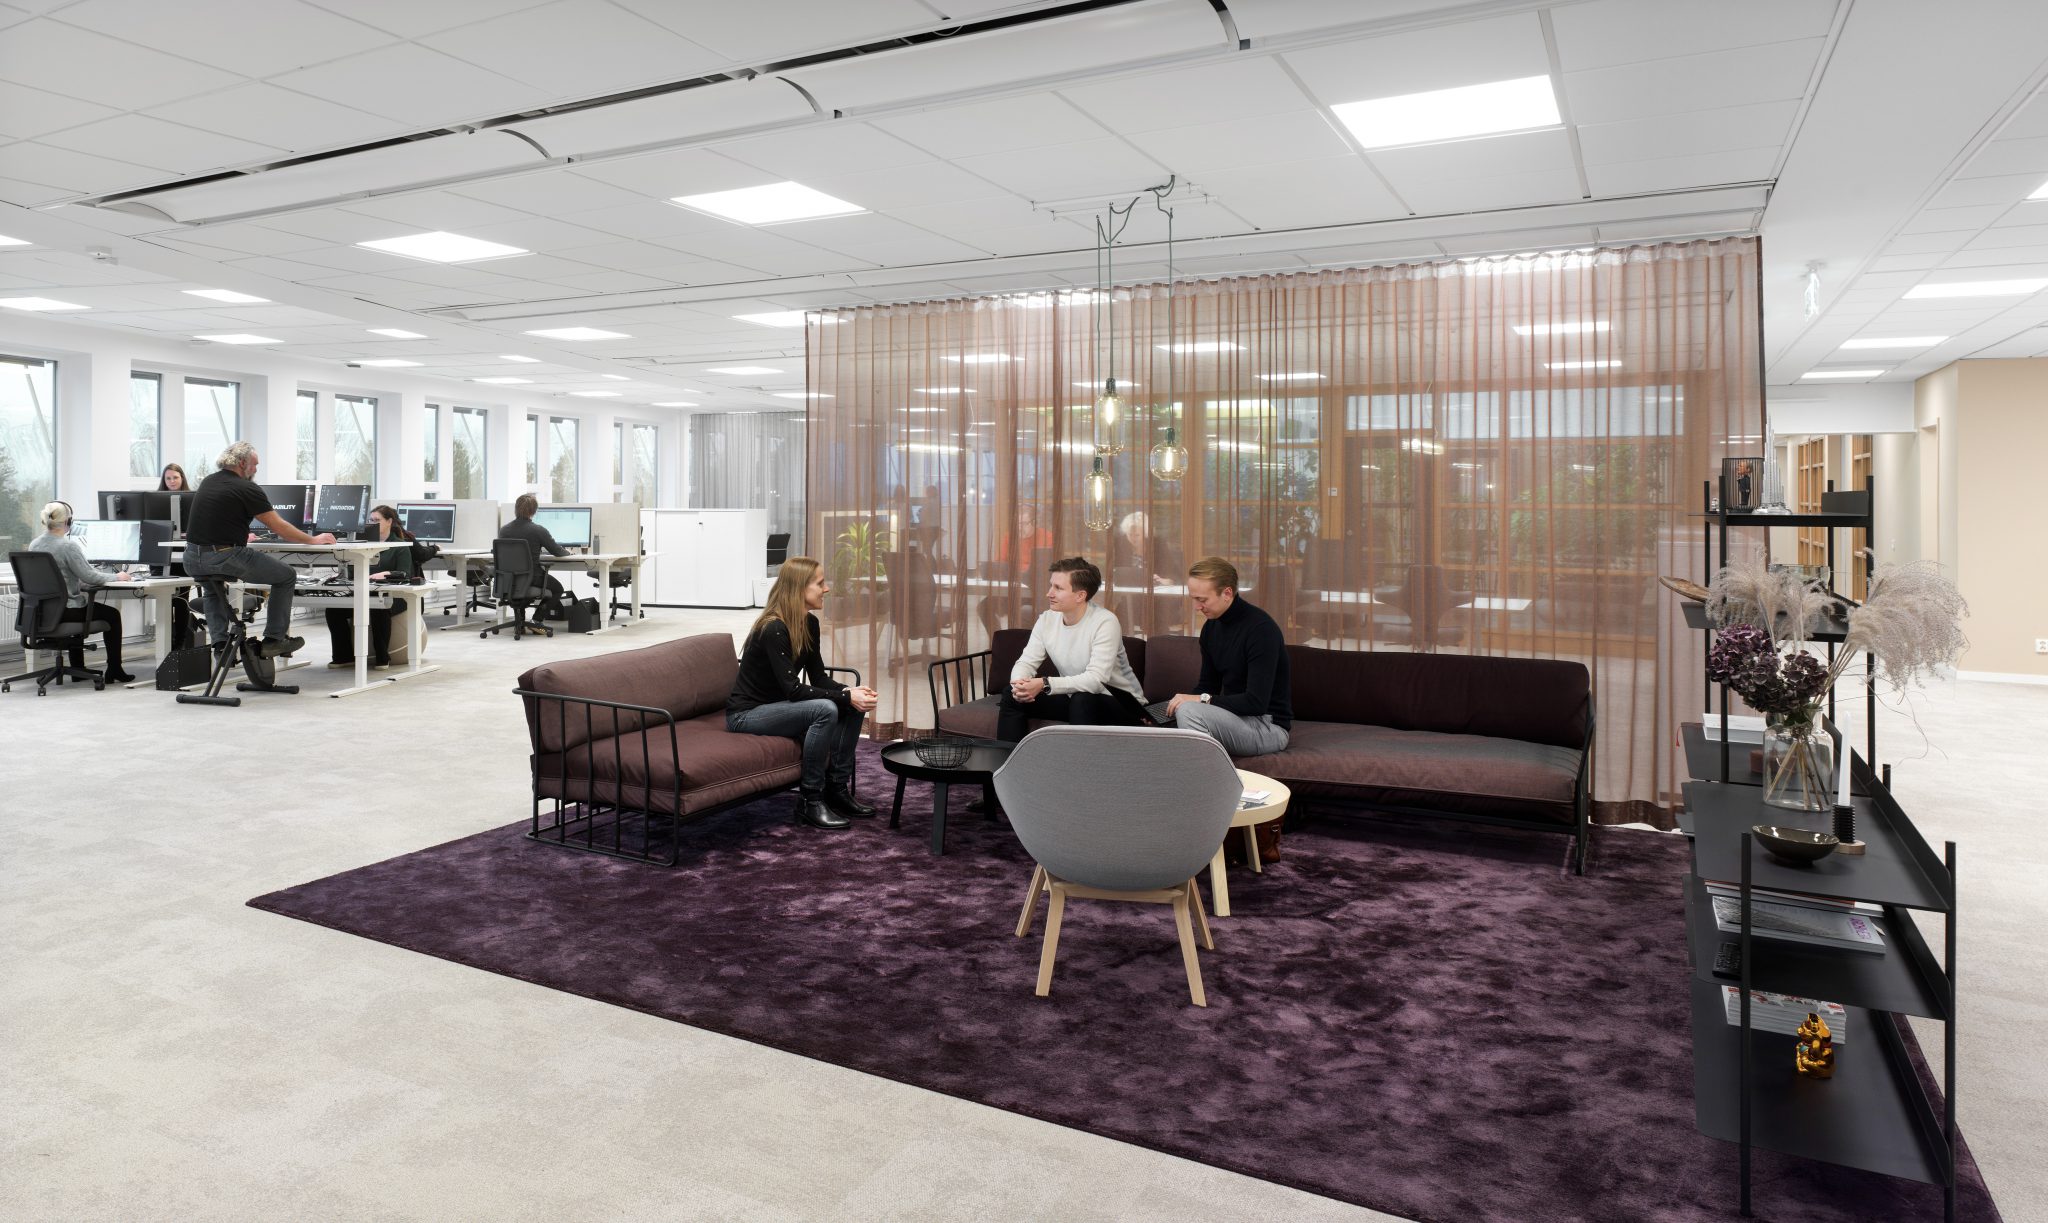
(385, 363)
(616, 377)
(987, 358)
(579, 333)
(503, 381)
(801, 395)
(1199, 346)
(787, 318)
(7, 241)
(1451, 114)
(769, 204)
(943, 390)
(1980, 288)
(2040, 192)
(924, 411)
(676, 403)
(513, 356)
(39, 303)
(438, 246)
(397, 333)
(1562, 328)
(1581, 365)
(238, 338)
(226, 295)
(740, 370)
(929, 447)
(1841, 373)
(1902, 341)
(1096, 386)
(595, 394)
(1288, 377)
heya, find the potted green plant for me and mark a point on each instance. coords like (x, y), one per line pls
(857, 568)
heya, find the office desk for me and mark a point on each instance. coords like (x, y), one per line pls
(458, 559)
(603, 562)
(355, 557)
(159, 591)
(414, 596)
(1482, 603)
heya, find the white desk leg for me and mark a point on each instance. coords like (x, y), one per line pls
(461, 592)
(638, 565)
(604, 595)
(358, 569)
(416, 635)
(1219, 888)
(162, 600)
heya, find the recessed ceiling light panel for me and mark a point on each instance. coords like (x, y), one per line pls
(595, 394)
(397, 333)
(1903, 341)
(802, 395)
(1979, 288)
(1841, 373)
(1582, 365)
(1492, 109)
(1199, 346)
(1302, 377)
(7, 241)
(579, 333)
(1537, 329)
(675, 403)
(439, 246)
(769, 204)
(513, 356)
(742, 370)
(985, 358)
(226, 295)
(503, 381)
(238, 338)
(385, 363)
(787, 318)
(38, 303)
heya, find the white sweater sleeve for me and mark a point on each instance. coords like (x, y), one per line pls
(1034, 653)
(1105, 638)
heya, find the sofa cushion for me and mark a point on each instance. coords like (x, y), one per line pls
(640, 769)
(1473, 774)
(687, 677)
(1539, 700)
(1172, 664)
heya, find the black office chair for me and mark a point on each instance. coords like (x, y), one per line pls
(41, 623)
(477, 577)
(516, 582)
(778, 549)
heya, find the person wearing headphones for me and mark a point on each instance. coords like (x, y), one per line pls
(216, 545)
(80, 577)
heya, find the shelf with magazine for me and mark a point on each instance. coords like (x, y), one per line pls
(1806, 931)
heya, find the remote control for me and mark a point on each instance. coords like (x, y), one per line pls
(1728, 960)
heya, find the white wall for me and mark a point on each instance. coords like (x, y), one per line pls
(93, 367)
(1879, 407)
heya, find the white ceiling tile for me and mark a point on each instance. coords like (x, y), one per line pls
(1939, 220)
(1027, 122)
(1683, 83)
(2007, 189)
(355, 259)
(1091, 167)
(241, 239)
(1707, 131)
(1568, 237)
(676, 172)
(249, 39)
(26, 113)
(412, 18)
(549, 269)
(539, 234)
(1302, 135)
(2026, 212)
(75, 172)
(1327, 191)
(1675, 173)
(1920, 243)
(338, 225)
(415, 85)
(1610, 32)
(1438, 196)
(550, 193)
(2012, 262)
(822, 149)
(1488, 157)
(622, 256)
(2010, 235)
(906, 252)
(933, 182)
(646, 219)
(613, 282)
(1437, 57)
(436, 210)
(277, 117)
(2031, 121)
(738, 33)
(280, 268)
(77, 63)
(170, 147)
(1680, 227)
(1902, 263)
(25, 194)
(2008, 156)
(573, 48)
(768, 250)
(1209, 93)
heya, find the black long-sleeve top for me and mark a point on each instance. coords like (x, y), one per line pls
(769, 673)
(1244, 664)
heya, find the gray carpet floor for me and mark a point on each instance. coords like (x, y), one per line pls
(172, 1054)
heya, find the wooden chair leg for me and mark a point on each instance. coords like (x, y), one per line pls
(1187, 949)
(1201, 918)
(1251, 848)
(1031, 900)
(1052, 939)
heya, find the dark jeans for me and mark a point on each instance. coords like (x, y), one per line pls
(110, 640)
(341, 626)
(827, 729)
(259, 568)
(1014, 717)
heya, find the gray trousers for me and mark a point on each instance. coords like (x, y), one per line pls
(259, 568)
(1240, 736)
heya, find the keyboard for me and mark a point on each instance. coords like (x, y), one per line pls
(1157, 712)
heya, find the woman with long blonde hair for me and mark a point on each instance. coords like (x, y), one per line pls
(783, 690)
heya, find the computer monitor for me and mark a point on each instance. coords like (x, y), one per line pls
(293, 502)
(340, 508)
(121, 506)
(430, 522)
(570, 525)
(108, 541)
(162, 506)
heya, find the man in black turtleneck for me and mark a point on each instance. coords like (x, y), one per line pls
(1244, 702)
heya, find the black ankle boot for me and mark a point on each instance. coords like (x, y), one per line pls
(814, 812)
(841, 800)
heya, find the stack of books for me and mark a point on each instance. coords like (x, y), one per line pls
(1793, 917)
(1770, 1012)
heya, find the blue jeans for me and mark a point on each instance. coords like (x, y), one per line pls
(827, 729)
(259, 568)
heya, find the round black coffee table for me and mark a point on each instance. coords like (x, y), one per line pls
(983, 759)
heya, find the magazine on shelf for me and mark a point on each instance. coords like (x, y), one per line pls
(1769, 1012)
(1742, 727)
(1801, 924)
(1826, 904)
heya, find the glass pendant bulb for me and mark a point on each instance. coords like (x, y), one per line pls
(1169, 457)
(1109, 420)
(1095, 496)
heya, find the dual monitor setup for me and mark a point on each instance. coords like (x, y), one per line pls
(130, 521)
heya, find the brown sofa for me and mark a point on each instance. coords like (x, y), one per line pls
(1496, 740)
(627, 746)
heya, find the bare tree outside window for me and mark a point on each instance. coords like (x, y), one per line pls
(430, 441)
(562, 447)
(28, 445)
(533, 452)
(308, 439)
(643, 472)
(145, 422)
(213, 418)
(471, 431)
(355, 440)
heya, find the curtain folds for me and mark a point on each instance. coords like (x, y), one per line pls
(1494, 456)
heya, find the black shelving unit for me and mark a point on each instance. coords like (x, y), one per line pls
(1874, 1113)
(1855, 510)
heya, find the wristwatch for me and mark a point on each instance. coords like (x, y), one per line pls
(1204, 697)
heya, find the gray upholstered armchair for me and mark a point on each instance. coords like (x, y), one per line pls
(1119, 813)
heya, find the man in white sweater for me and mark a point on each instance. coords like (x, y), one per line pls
(1095, 685)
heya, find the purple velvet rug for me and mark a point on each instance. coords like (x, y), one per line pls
(1432, 1020)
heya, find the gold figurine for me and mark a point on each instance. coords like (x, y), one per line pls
(1814, 1055)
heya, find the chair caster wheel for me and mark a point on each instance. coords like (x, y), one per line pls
(6, 687)
(99, 685)
(483, 634)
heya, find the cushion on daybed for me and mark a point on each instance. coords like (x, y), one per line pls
(688, 677)
(1470, 774)
(638, 769)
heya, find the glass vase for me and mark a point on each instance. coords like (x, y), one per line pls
(1799, 764)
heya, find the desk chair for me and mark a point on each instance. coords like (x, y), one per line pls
(622, 579)
(40, 621)
(516, 582)
(778, 549)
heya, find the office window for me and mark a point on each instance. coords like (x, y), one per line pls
(145, 422)
(533, 452)
(618, 460)
(28, 446)
(562, 450)
(355, 440)
(213, 418)
(430, 442)
(643, 472)
(308, 439)
(472, 431)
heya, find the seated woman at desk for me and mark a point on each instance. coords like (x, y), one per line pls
(79, 577)
(393, 562)
(173, 480)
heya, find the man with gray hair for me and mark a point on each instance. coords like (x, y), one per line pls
(216, 545)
